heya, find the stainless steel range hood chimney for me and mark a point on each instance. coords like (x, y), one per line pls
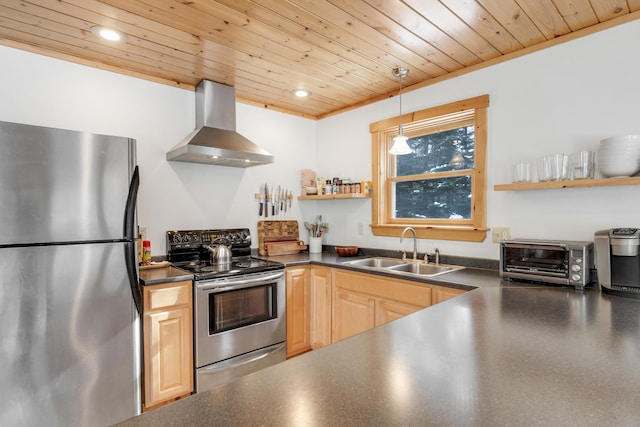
(215, 140)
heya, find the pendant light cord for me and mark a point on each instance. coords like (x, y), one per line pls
(400, 72)
(400, 96)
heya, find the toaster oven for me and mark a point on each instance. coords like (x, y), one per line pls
(559, 262)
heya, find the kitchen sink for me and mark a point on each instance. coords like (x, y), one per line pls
(376, 262)
(425, 269)
(403, 267)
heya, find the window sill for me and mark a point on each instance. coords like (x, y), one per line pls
(460, 233)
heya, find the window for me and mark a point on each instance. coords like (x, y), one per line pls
(439, 189)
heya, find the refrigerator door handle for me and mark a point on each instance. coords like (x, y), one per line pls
(130, 208)
(130, 260)
(130, 246)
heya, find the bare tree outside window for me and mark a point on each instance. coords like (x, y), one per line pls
(444, 197)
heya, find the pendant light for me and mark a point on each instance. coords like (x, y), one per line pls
(400, 145)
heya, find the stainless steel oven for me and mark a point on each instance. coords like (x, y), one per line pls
(240, 326)
(239, 316)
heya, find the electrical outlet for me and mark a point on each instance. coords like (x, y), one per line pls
(500, 233)
(143, 232)
(361, 229)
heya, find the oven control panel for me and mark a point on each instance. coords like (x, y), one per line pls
(235, 237)
(184, 239)
(178, 240)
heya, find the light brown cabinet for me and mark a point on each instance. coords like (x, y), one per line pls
(442, 293)
(362, 301)
(352, 313)
(321, 278)
(387, 311)
(167, 342)
(325, 304)
(298, 310)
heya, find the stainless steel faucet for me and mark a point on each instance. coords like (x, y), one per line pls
(415, 241)
(436, 256)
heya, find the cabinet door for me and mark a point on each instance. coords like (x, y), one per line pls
(168, 343)
(387, 311)
(442, 293)
(298, 311)
(352, 313)
(320, 306)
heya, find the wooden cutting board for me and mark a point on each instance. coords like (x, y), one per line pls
(276, 231)
(287, 247)
(159, 264)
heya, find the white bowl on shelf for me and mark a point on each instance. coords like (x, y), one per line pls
(622, 139)
(618, 166)
(619, 156)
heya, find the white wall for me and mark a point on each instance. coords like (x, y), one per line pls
(563, 99)
(43, 91)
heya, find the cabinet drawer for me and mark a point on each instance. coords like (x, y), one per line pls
(167, 295)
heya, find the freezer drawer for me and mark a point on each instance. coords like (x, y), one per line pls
(216, 374)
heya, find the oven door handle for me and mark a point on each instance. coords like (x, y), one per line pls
(239, 282)
(243, 360)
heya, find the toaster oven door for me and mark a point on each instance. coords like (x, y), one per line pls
(535, 260)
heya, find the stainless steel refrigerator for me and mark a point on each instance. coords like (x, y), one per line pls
(69, 293)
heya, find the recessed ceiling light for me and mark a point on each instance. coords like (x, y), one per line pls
(300, 93)
(109, 34)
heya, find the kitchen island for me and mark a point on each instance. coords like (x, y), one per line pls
(506, 355)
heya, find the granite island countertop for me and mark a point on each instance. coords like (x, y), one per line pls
(501, 355)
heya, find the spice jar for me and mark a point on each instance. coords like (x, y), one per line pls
(146, 256)
(328, 188)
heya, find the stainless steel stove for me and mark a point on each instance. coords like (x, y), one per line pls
(188, 251)
(240, 313)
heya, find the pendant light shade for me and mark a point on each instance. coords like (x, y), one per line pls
(400, 145)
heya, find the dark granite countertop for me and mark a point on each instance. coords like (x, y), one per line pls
(468, 278)
(155, 276)
(493, 356)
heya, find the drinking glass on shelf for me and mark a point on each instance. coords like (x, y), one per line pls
(559, 167)
(521, 172)
(544, 168)
(583, 164)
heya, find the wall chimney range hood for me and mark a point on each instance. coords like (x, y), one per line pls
(215, 140)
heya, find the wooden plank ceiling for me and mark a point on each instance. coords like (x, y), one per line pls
(343, 51)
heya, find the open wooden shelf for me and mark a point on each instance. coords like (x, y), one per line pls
(604, 182)
(336, 196)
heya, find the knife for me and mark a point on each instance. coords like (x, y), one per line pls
(266, 198)
(278, 201)
(286, 197)
(273, 200)
(261, 199)
(290, 197)
(282, 198)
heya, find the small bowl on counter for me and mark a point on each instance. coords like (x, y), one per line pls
(346, 250)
